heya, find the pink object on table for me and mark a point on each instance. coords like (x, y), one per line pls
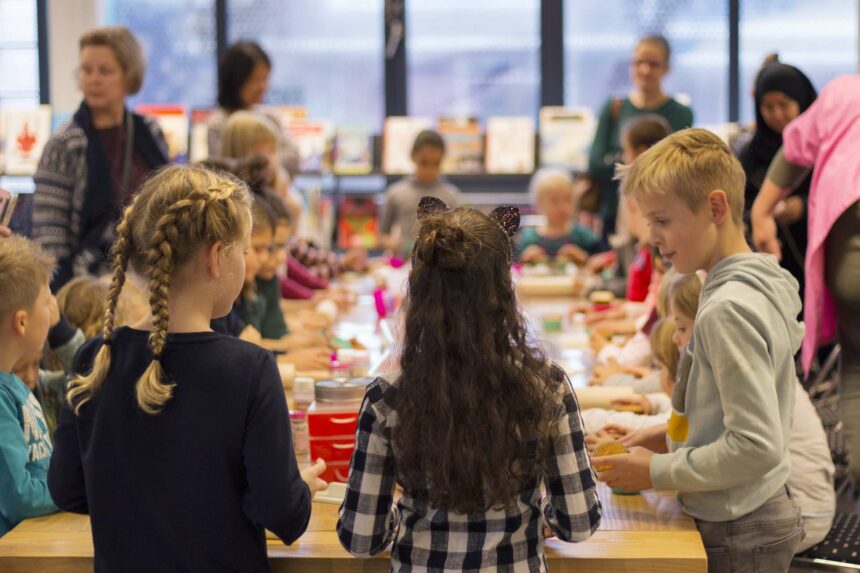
(396, 262)
(379, 302)
(827, 137)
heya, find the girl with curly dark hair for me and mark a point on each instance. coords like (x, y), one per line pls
(483, 434)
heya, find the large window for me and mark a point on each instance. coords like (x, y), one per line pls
(818, 37)
(478, 58)
(19, 54)
(599, 38)
(327, 55)
(178, 38)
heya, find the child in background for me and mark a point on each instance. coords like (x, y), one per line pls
(398, 224)
(510, 421)
(186, 432)
(653, 408)
(736, 384)
(27, 311)
(552, 194)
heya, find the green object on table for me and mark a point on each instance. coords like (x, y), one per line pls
(340, 342)
(617, 491)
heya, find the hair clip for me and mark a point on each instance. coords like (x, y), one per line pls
(430, 206)
(507, 217)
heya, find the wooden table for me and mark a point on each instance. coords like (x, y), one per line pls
(640, 533)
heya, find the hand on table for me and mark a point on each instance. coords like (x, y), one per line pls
(306, 359)
(311, 476)
(640, 402)
(534, 254)
(630, 472)
(651, 437)
(573, 254)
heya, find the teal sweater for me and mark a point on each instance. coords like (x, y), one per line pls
(579, 236)
(605, 151)
(25, 452)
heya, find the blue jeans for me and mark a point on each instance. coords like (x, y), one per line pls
(763, 541)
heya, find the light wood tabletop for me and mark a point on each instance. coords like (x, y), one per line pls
(642, 533)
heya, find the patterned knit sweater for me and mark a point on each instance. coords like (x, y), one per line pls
(61, 185)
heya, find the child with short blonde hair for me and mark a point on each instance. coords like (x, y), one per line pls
(25, 319)
(737, 380)
(191, 425)
(561, 237)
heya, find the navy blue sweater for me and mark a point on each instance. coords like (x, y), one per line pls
(192, 488)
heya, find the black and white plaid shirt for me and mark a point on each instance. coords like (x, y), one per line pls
(429, 539)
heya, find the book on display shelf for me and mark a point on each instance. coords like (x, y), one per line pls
(313, 138)
(510, 145)
(398, 135)
(353, 151)
(24, 133)
(464, 145)
(566, 134)
(199, 135)
(173, 121)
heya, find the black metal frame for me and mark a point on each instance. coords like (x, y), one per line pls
(396, 69)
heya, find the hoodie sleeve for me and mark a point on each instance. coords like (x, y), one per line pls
(22, 494)
(734, 343)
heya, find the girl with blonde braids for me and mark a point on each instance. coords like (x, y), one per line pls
(176, 439)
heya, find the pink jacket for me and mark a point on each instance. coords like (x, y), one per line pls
(827, 137)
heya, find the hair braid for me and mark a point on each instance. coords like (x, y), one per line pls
(82, 388)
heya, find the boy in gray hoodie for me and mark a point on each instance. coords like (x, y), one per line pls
(727, 453)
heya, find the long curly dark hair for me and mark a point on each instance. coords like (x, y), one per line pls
(476, 402)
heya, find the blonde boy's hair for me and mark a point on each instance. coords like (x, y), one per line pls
(177, 211)
(663, 347)
(689, 164)
(547, 178)
(684, 293)
(83, 301)
(244, 131)
(126, 49)
(24, 269)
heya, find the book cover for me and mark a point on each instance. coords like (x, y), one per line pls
(464, 145)
(313, 138)
(198, 149)
(353, 151)
(510, 145)
(174, 123)
(566, 134)
(26, 131)
(358, 224)
(398, 135)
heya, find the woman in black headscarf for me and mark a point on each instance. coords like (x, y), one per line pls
(782, 92)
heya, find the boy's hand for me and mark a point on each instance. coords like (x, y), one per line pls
(652, 437)
(5, 231)
(311, 476)
(55, 311)
(573, 254)
(641, 404)
(629, 472)
(306, 359)
(534, 254)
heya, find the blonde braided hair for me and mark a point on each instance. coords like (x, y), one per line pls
(178, 210)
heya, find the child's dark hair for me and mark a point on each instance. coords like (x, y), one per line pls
(476, 401)
(236, 66)
(278, 207)
(428, 138)
(646, 130)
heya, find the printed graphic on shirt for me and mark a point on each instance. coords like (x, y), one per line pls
(35, 430)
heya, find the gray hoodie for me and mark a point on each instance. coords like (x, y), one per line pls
(738, 394)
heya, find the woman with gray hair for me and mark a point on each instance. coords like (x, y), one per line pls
(95, 162)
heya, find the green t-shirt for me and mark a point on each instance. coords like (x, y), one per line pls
(606, 149)
(269, 317)
(579, 236)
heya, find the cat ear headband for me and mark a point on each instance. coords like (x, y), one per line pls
(506, 217)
